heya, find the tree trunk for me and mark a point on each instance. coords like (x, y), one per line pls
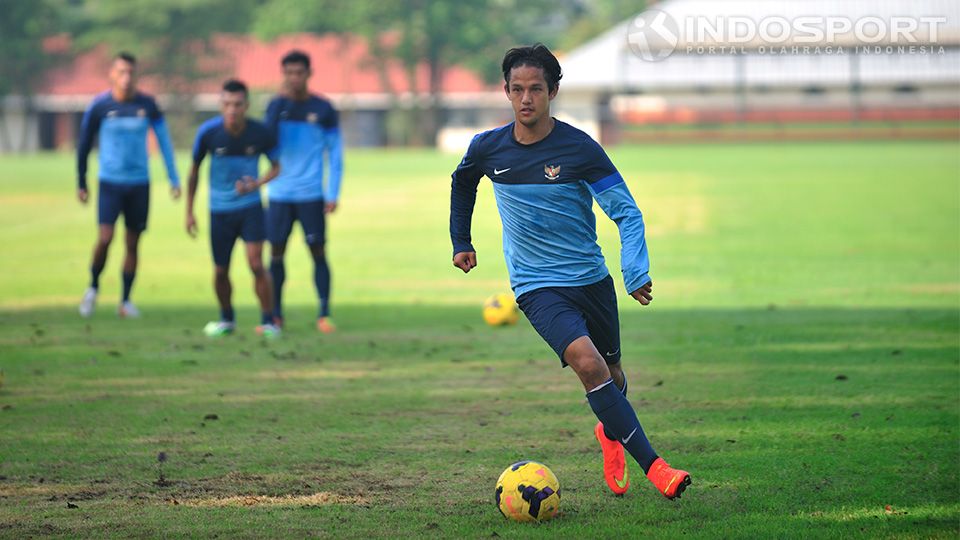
(4, 133)
(380, 56)
(28, 110)
(434, 117)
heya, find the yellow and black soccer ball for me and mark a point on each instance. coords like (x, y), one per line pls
(500, 310)
(528, 491)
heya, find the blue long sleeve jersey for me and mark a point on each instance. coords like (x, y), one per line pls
(232, 158)
(544, 193)
(121, 127)
(305, 131)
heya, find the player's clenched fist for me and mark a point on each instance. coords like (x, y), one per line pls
(644, 294)
(466, 260)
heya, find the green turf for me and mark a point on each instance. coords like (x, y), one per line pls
(800, 359)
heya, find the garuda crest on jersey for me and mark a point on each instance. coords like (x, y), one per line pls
(551, 172)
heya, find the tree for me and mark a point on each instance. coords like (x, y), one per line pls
(591, 19)
(24, 27)
(170, 37)
(438, 33)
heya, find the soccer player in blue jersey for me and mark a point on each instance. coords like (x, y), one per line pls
(235, 144)
(307, 129)
(120, 119)
(546, 175)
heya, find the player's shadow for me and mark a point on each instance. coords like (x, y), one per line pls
(818, 417)
(736, 339)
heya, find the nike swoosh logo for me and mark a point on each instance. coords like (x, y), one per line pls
(667, 489)
(622, 482)
(630, 436)
(613, 353)
(496, 172)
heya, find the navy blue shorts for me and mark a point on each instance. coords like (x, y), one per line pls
(563, 314)
(281, 215)
(226, 227)
(132, 200)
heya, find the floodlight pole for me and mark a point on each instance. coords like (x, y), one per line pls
(856, 88)
(740, 82)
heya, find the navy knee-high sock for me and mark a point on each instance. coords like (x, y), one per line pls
(623, 391)
(279, 273)
(617, 415)
(321, 278)
(127, 284)
(95, 271)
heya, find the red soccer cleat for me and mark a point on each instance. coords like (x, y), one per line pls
(614, 464)
(671, 482)
(325, 325)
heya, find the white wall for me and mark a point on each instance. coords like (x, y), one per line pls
(18, 132)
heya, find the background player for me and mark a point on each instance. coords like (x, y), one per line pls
(120, 119)
(235, 144)
(307, 128)
(545, 176)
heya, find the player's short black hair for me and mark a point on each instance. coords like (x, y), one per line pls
(538, 56)
(235, 85)
(126, 57)
(296, 57)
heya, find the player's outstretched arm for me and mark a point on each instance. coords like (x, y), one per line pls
(191, 222)
(88, 129)
(465, 260)
(166, 149)
(644, 294)
(333, 142)
(463, 197)
(249, 185)
(614, 198)
(271, 174)
(618, 204)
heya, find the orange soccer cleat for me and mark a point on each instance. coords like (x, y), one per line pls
(614, 464)
(325, 325)
(671, 482)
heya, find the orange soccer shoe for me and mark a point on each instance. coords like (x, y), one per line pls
(614, 465)
(671, 482)
(325, 325)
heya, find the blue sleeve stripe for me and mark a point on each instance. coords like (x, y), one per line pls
(604, 184)
(166, 148)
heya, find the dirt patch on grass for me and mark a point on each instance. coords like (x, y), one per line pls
(41, 490)
(934, 288)
(310, 374)
(322, 498)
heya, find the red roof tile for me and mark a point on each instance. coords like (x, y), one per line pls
(341, 65)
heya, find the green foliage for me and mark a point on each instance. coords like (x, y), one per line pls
(414, 31)
(168, 36)
(778, 268)
(273, 18)
(23, 27)
(594, 18)
(438, 34)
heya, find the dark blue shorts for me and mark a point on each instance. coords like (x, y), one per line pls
(132, 200)
(281, 215)
(562, 314)
(226, 227)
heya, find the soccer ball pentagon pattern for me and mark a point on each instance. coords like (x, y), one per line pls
(528, 491)
(500, 310)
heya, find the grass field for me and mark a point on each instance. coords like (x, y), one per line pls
(801, 359)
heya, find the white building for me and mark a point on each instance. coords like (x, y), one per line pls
(864, 72)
